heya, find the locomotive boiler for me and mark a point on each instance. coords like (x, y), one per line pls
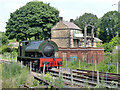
(38, 54)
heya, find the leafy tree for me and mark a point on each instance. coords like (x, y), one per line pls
(110, 46)
(3, 39)
(108, 26)
(87, 18)
(35, 19)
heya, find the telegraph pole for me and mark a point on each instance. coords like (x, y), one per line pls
(119, 6)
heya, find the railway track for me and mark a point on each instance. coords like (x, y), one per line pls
(46, 83)
(38, 77)
(80, 77)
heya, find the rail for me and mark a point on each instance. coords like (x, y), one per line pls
(93, 78)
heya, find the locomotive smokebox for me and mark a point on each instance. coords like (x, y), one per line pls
(48, 50)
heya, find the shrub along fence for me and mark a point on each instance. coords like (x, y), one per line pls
(102, 67)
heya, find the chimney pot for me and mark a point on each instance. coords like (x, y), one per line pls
(71, 20)
(61, 18)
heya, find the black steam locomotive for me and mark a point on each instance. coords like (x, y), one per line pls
(39, 53)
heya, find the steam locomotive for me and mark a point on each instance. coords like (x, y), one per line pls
(38, 54)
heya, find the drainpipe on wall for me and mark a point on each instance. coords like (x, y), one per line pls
(85, 34)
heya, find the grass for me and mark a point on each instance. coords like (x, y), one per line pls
(9, 56)
(14, 76)
(0, 76)
(58, 82)
(75, 65)
(102, 67)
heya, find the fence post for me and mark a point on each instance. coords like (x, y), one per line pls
(9, 58)
(66, 62)
(59, 71)
(21, 64)
(79, 63)
(98, 78)
(44, 69)
(12, 58)
(30, 66)
(117, 67)
(16, 59)
(92, 76)
(71, 76)
(95, 65)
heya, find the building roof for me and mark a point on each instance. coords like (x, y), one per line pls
(14, 44)
(71, 25)
(66, 25)
(97, 39)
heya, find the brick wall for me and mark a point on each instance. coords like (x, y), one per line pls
(61, 42)
(59, 33)
(89, 54)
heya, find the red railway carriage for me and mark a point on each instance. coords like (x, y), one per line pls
(39, 53)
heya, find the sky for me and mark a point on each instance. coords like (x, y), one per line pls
(69, 9)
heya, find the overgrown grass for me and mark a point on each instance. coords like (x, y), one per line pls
(14, 76)
(104, 66)
(75, 65)
(10, 56)
(58, 82)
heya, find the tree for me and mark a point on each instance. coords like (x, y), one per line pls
(35, 19)
(3, 39)
(87, 18)
(108, 26)
(111, 45)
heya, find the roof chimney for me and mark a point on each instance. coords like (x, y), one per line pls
(71, 20)
(61, 18)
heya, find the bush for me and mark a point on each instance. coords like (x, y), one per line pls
(103, 67)
(7, 49)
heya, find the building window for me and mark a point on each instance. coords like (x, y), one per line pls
(76, 32)
(85, 58)
(64, 56)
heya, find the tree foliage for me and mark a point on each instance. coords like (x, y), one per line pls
(87, 18)
(35, 19)
(110, 46)
(108, 26)
(3, 39)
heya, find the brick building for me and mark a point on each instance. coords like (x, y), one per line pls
(62, 33)
(70, 40)
(88, 54)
